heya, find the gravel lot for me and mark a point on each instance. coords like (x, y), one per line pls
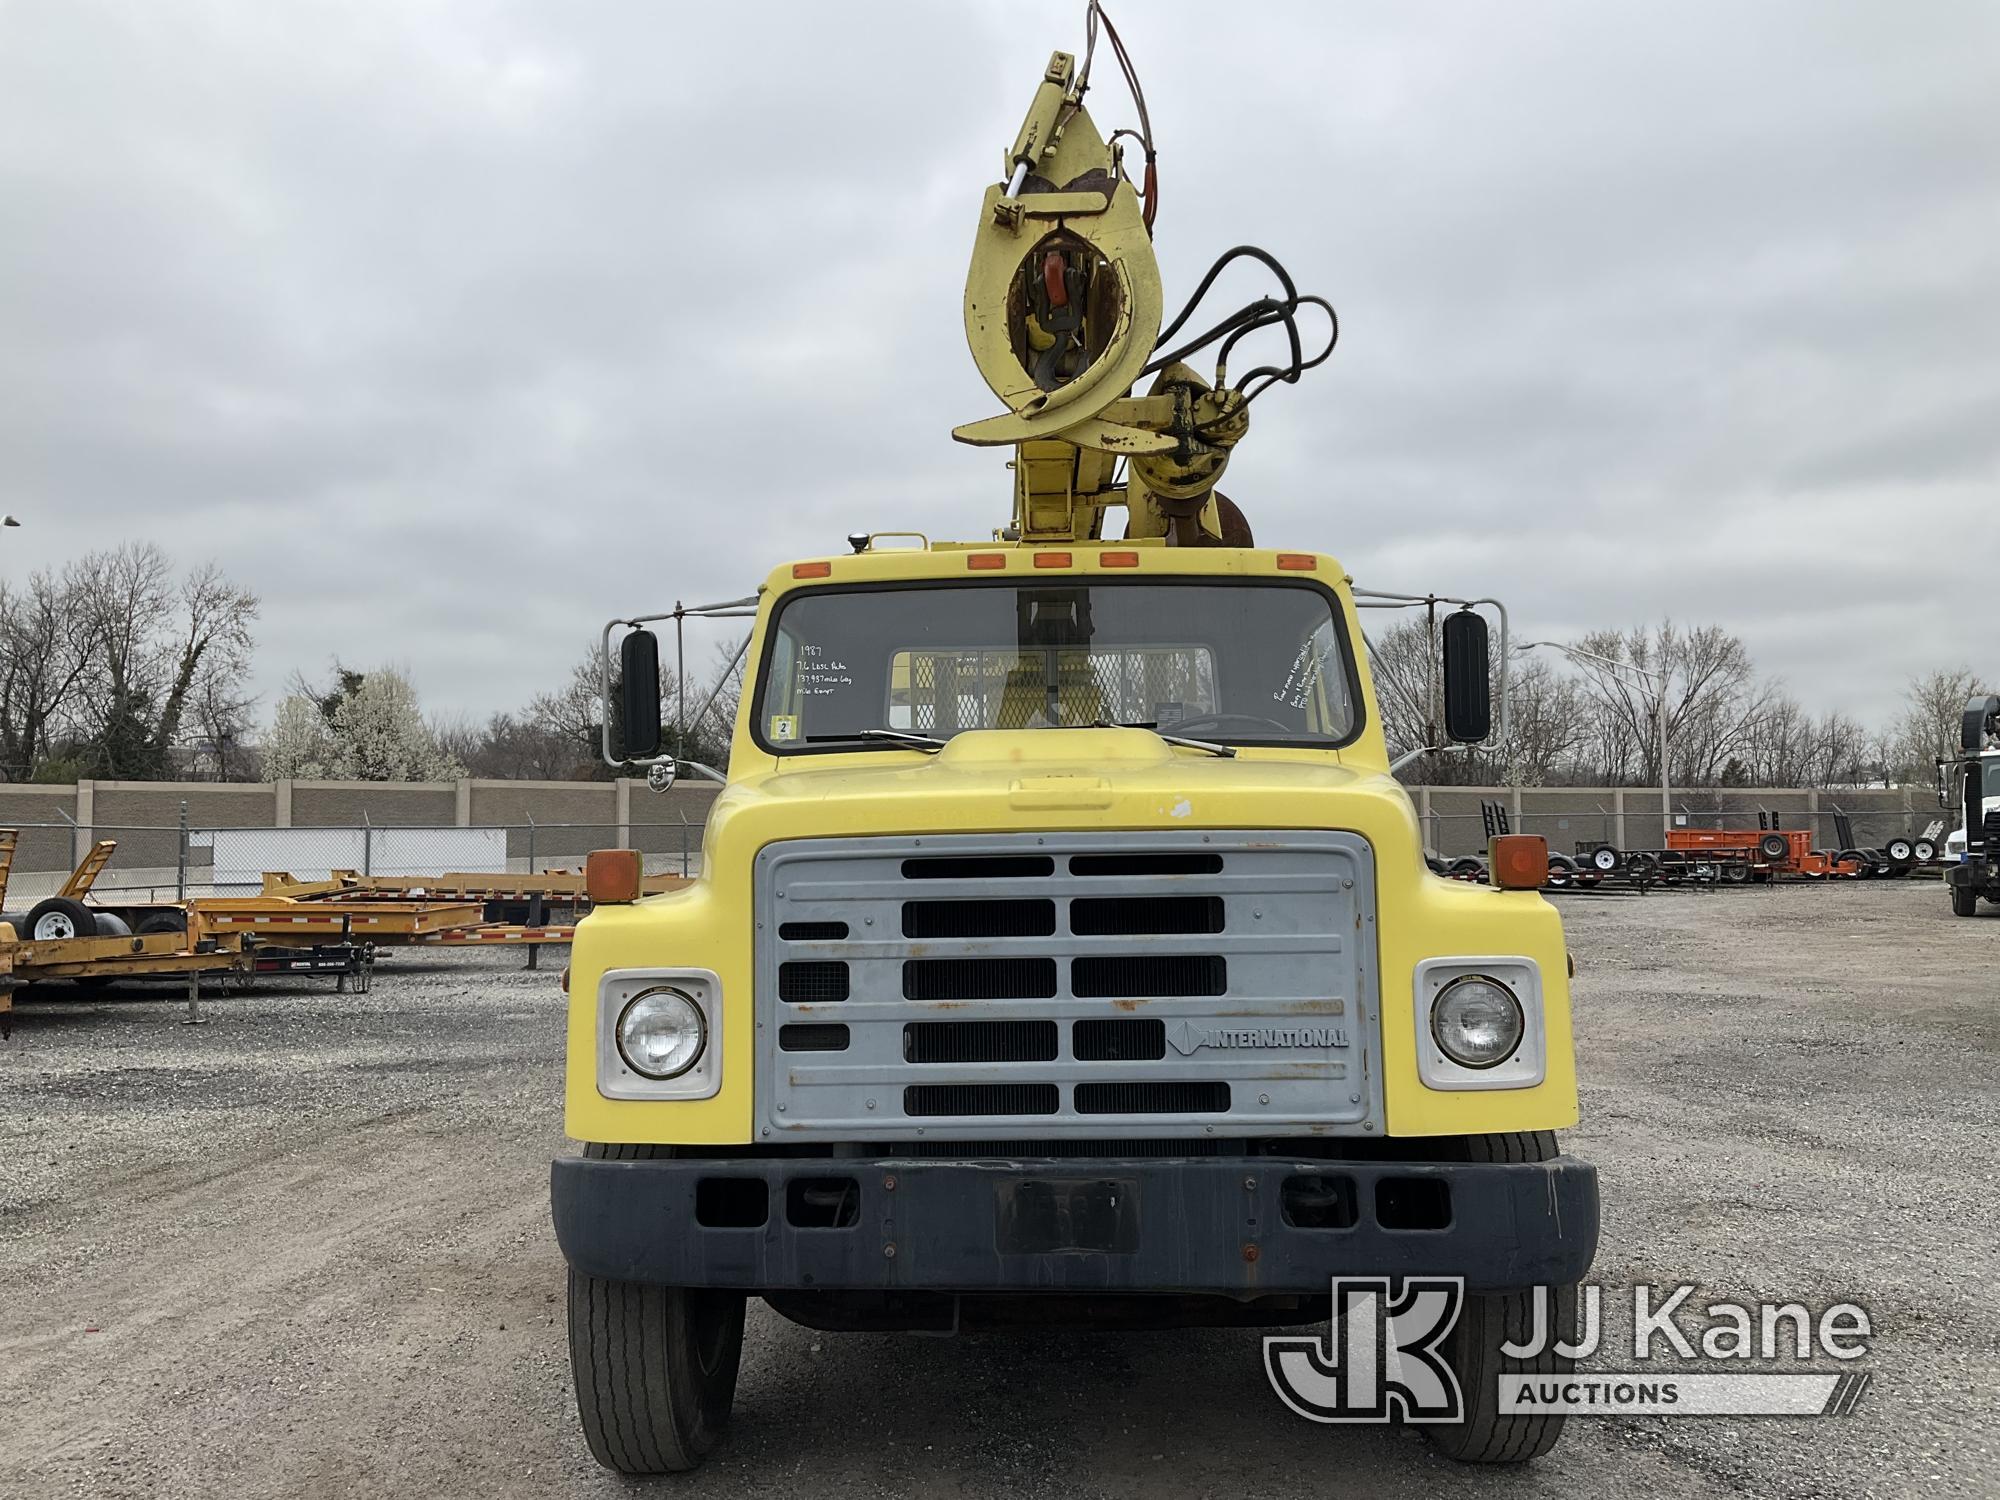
(305, 1250)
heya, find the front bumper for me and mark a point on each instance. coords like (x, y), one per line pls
(1201, 1225)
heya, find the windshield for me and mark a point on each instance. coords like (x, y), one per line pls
(1253, 663)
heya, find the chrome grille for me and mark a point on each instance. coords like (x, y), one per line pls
(1153, 984)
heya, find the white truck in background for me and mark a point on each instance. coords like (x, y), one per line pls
(1972, 783)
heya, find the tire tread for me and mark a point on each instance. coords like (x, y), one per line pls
(1487, 1436)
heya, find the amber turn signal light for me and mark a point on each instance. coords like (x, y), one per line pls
(611, 875)
(1518, 861)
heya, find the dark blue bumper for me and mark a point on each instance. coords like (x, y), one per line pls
(1241, 1227)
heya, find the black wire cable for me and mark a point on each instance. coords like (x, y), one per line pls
(1289, 374)
(1095, 16)
(1222, 263)
(1252, 317)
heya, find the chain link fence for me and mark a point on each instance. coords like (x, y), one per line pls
(1573, 818)
(159, 862)
(153, 862)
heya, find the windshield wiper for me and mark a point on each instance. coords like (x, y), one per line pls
(1227, 752)
(925, 742)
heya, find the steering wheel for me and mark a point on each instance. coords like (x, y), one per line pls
(1228, 724)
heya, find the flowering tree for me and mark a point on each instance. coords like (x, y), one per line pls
(368, 728)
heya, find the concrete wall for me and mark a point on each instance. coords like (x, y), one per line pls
(40, 848)
(394, 804)
(550, 823)
(571, 818)
(1629, 817)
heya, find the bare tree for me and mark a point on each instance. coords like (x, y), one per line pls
(510, 747)
(208, 656)
(102, 667)
(45, 665)
(573, 714)
(1934, 707)
(1547, 726)
(1707, 687)
(1400, 663)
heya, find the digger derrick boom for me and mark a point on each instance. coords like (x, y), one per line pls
(1063, 314)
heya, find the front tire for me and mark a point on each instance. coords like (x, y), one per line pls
(654, 1366)
(1489, 1319)
(1964, 901)
(655, 1370)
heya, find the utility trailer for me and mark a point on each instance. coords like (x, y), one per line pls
(1596, 863)
(556, 887)
(1678, 864)
(382, 922)
(522, 901)
(461, 910)
(100, 956)
(1737, 856)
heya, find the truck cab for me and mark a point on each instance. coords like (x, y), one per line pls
(1063, 950)
(1989, 802)
(1971, 783)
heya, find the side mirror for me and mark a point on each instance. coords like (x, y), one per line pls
(1468, 687)
(639, 694)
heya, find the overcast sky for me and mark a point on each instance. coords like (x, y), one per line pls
(453, 329)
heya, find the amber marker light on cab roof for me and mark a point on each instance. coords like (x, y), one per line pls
(1119, 559)
(812, 570)
(1518, 861)
(1052, 559)
(981, 562)
(611, 876)
(1297, 562)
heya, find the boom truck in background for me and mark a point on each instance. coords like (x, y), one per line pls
(1064, 950)
(1972, 782)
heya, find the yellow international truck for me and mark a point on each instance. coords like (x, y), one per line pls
(1064, 949)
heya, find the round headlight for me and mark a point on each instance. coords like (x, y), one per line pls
(661, 1033)
(1476, 1021)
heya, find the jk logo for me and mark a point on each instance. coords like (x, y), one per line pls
(1380, 1360)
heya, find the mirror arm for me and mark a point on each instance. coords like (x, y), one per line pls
(1389, 599)
(727, 609)
(604, 691)
(714, 693)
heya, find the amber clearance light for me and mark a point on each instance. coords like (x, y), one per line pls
(611, 875)
(1518, 861)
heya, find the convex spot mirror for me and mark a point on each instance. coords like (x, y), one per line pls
(639, 694)
(1468, 689)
